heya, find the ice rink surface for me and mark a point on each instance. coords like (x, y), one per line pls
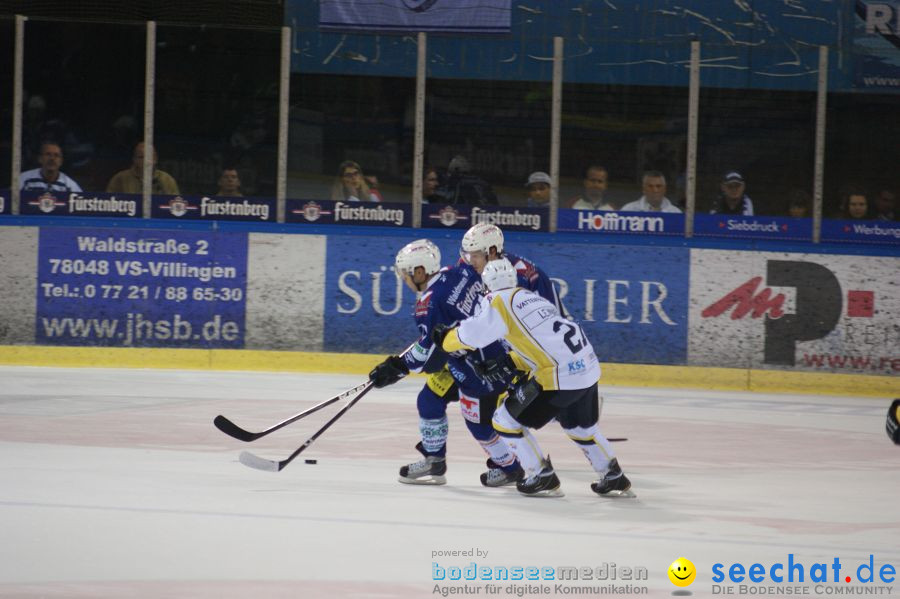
(114, 483)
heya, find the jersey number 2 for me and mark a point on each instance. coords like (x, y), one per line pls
(575, 345)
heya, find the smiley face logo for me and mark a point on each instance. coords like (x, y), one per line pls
(682, 572)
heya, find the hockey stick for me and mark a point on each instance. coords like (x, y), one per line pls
(232, 430)
(253, 461)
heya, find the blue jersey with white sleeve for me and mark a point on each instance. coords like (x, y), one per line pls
(534, 279)
(452, 295)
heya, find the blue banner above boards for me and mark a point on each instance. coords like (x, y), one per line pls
(327, 212)
(193, 207)
(410, 16)
(81, 204)
(754, 227)
(437, 216)
(628, 223)
(855, 231)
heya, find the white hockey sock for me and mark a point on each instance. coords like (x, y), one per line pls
(596, 448)
(498, 449)
(520, 441)
(434, 433)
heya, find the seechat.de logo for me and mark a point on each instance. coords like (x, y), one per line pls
(682, 572)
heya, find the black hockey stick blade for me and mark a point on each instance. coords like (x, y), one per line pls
(253, 461)
(232, 430)
(617, 439)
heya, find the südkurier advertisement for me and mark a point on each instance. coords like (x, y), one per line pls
(631, 301)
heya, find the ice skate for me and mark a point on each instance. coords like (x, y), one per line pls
(614, 483)
(428, 471)
(543, 484)
(497, 477)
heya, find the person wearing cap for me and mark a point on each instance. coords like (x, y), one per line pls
(731, 198)
(653, 184)
(593, 197)
(538, 187)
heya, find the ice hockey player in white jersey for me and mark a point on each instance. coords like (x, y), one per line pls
(561, 382)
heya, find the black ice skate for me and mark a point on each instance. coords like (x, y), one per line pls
(497, 477)
(543, 484)
(614, 483)
(429, 471)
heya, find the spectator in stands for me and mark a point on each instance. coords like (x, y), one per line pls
(431, 181)
(229, 183)
(732, 199)
(594, 181)
(538, 187)
(653, 184)
(372, 180)
(885, 205)
(350, 184)
(854, 205)
(798, 203)
(48, 177)
(131, 180)
(464, 187)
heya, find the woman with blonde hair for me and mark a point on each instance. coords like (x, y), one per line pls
(350, 184)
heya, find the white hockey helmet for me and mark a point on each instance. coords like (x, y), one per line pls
(481, 238)
(499, 274)
(421, 252)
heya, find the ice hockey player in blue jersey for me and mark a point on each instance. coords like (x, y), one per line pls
(483, 243)
(446, 296)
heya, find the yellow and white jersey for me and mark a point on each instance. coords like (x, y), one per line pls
(554, 348)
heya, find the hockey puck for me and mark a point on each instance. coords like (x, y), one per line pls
(312, 461)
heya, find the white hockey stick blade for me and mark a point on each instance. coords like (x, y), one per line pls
(253, 461)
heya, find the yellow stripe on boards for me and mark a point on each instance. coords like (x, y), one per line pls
(632, 375)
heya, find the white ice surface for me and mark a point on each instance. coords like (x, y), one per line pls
(114, 483)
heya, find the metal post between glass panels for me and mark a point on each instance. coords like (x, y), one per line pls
(284, 92)
(149, 91)
(419, 131)
(555, 129)
(18, 74)
(819, 167)
(693, 123)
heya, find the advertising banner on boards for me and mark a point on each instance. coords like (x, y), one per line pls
(141, 288)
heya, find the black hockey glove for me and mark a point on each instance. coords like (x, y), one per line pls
(438, 333)
(521, 395)
(893, 422)
(388, 372)
(497, 370)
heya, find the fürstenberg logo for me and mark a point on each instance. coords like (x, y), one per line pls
(613, 221)
(219, 207)
(510, 219)
(343, 211)
(79, 203)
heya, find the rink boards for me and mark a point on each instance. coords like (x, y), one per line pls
(144, 290)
